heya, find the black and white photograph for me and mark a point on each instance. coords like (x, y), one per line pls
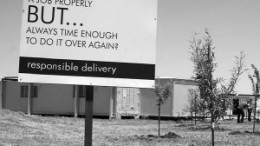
(129, 72)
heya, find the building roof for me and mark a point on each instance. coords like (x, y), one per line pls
(176, 80)
(10, 78)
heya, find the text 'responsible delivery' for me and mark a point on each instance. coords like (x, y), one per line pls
(71, 67)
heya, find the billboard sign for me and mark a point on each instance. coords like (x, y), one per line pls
(98, 42)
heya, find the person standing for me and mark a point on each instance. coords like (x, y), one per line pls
(241, 113)
(249, 110)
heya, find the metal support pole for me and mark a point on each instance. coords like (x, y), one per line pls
(111, 106)
(29, 99)
(89, 115)
(76, 101)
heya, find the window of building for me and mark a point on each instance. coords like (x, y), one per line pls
(25, 89)
(81, 91)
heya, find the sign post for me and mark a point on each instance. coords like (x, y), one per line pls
(86, 42)
(89, 115)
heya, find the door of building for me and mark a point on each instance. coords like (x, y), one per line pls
(235, 106)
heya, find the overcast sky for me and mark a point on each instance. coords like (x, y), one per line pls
(234, 26)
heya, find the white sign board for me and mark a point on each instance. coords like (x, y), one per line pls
(95, 42)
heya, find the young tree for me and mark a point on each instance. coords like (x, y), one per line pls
(255, 80)
(163, 93)
(215, 100)
(202, 56)
(195, 105)
(236, 72)
(225, 102)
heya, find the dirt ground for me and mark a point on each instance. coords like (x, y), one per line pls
(19, 129)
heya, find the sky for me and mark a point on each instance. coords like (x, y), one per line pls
(234, 26)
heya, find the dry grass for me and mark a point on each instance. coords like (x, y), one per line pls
(18, 129)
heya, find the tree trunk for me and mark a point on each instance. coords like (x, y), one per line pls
(195, 109)
(212, 128)
(254, 115)
(159, 118)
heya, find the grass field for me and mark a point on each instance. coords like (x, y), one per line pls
(18, 129)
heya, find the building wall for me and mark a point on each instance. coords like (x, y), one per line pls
(149, 101)
(101, 102)
(55, 99)
(102, 97)
(149, 104)
(52, 99)
(11, 99)
(1, 94)
(181, 98)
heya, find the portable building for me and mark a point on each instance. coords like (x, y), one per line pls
(111, 102)
(54, 98)
(108, 101)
